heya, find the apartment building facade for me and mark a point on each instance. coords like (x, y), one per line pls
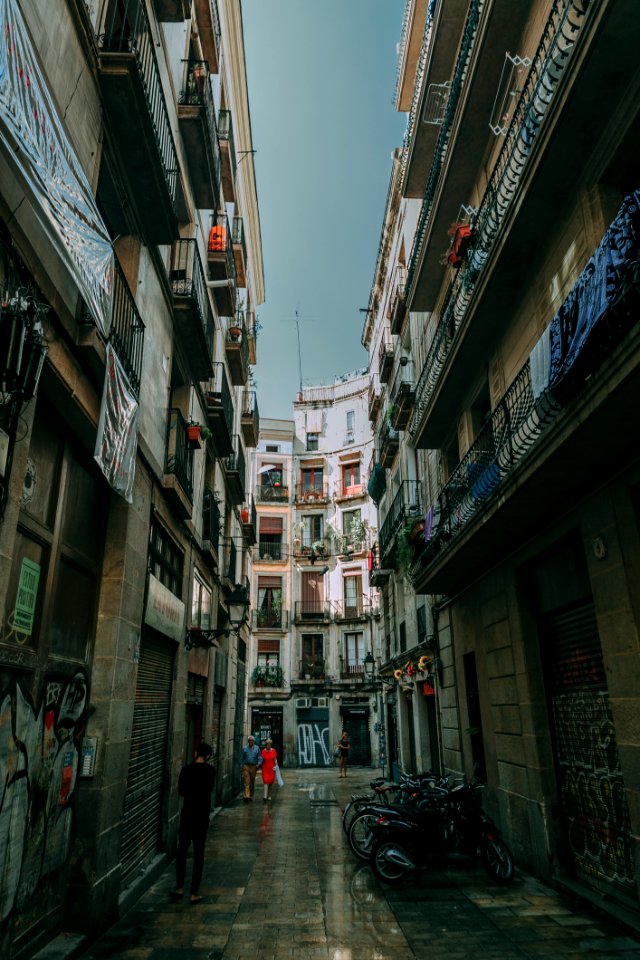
(130, 270)
(517, 313)
(317, 616)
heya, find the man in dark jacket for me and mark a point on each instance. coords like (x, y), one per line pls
(195, 786)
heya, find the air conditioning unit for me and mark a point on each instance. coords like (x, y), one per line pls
(322, 702)
(303, 703)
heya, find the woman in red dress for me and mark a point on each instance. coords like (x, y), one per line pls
(268, 768)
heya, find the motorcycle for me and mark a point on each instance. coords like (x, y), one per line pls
(454, 824)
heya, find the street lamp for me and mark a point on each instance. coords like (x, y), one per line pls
(238, 605)
(369, 665)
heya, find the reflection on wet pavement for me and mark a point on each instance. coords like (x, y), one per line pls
(280, 882)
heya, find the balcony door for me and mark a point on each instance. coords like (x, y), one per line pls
(270, 602)
(312, 592)
(270, 545)
(352, 586)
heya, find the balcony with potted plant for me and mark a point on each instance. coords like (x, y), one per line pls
(194, 322)
(208, 20)
(270, 674)
(221, 262)
(403, 394)
(312, 669)
(178, 472)
(248, 520)
(237, 348)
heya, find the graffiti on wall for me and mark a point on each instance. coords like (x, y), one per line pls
(313, 745)
(592, 787)
(39, 751)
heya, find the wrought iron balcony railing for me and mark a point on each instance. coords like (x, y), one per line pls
(271, 618)
(406, 506)
(351, 669)
(312, 668)
(272, 493)
(179, 460)
(127, 328)
(225, 132)
(237, 348)
(220, 409)
(235, 470)
(270, 552)
(317, 492)
(198, 127)
(250, 420)
(318, 611)
(211, 519)
(188, 285)
(239, 250)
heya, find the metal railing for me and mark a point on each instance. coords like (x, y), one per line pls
(236, 332)
(219, 394)
(270, 552)
(127, 30)
(406, 505)
(544, 76)
(237, 236)
(313, 493)
(219, 246)
(250, 408)
(211, 519)
(179, 460)
(350, 668)
(187, 279)
(357, 608)
(197, 93)
(312, 669)
(248, 512)
(269, 493)
(234, 462)
(344, 492)
(421, 66)
(313, 610)
(225, 132)
(271, 618)
(127, 329)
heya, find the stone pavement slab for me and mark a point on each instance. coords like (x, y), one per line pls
(280, 882)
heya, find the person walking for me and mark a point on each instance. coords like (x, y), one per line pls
(195, 786)
(343, 746)
(268, 769)
(250, 760)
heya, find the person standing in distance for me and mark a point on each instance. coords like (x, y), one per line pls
(195, 786)
(250, 760)
(343, 746)
(269, 760)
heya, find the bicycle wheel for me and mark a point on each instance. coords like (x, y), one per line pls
(497, 860)
(352, 809)
(383, 865)
(360, 835)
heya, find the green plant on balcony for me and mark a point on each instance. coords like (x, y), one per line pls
(406, 543)
(267, 675)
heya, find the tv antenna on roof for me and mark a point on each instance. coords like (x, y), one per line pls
(297, 321)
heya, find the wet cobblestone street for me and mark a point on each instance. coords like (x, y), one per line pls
(280, 881)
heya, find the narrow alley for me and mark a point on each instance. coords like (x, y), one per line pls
(280, 881)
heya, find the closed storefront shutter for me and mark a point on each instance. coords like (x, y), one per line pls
(593, 803)
(142, 815)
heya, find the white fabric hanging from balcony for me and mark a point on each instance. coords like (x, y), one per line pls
(314, 421)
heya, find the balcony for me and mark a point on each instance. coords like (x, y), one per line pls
(375, 397)
(235, 473)
(354, 609)
(398, 308)
(350, 670)
(208, 20)
(378, 574)
(229, 563)
(250, 421)
(191, 307)
(270, 619)
(228, 154)
(237, 348)
(314, 549)
(249, 521)
(312, 611)
(171, 11)
(178, 472)
(197, 120)
(220, 410)
(127, 329)
(385, 357)
(272, 493)
(313, 668)
(211, 524)
(222, 268)
(344, 494)
(317, 493)
(135, 108)
(377, 482)
(406, 508)
(389, 442)
(239, 251)
(253, 326)
(270, 552)
(403, 392)
(346, 546)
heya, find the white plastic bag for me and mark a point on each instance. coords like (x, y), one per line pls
(279, 779)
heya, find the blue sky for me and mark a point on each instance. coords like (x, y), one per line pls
(321, 81)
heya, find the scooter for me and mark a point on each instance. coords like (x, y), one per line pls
(452, 824)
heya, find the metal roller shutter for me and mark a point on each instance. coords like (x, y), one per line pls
(596, 818)
(143, 798)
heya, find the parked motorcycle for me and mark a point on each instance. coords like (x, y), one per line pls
(455, 823)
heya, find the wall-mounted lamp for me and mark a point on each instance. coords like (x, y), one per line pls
(369, 665)
(238, 613)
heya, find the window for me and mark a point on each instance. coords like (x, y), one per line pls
(351, 425)
(200, 604)
(352, 523)
(350, 477)
(403, 637)
(270, 546)
(272, 448)
(312, 441)
(354, 648)
(312, 485)
(271, 659)
(271, 482)
(312, 655)
(165, 560)
(270, 602)
(352, 586)
(312, 530)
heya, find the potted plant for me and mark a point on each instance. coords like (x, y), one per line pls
(235, 333)
(194, 432)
